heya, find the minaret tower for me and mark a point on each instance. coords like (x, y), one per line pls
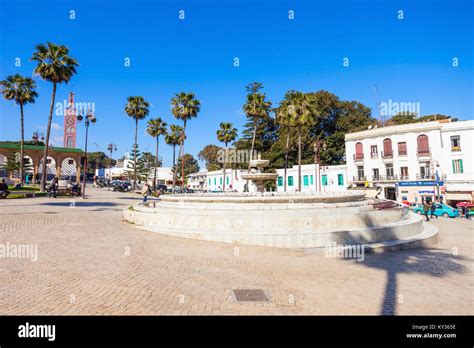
(70, 123)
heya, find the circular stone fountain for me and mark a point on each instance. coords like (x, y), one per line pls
(306, 220)
(257, 176)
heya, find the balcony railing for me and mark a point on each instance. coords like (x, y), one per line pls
(455, 148)
(374, 155)
(388, 155)
(424, 176)
(385, 178)
(358, 157)
(402, 153)
(359, 178)
(423, 152)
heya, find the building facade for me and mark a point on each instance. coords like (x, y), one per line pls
(415, 161)
(313, 178)
(234, 181)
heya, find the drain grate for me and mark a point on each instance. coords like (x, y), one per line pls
(250, 295)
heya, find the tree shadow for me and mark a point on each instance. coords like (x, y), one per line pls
(424, 260)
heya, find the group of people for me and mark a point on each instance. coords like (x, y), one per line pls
(429, 208)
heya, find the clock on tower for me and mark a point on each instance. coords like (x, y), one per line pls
(70, 123)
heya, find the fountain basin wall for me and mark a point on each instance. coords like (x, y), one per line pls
(316, 221)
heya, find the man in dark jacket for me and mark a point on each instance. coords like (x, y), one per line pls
(4, 189)
(432, 210)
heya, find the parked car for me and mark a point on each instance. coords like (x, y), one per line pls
(162, 188)
(441, 210)
(122, 186)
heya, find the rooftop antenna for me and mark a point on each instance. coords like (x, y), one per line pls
(378, 105)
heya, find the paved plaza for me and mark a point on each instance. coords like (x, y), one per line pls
(92, 262)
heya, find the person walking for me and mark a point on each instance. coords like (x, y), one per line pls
(4, 189)
(53, 186)
(433, 209)
(145, 192)
(426, 209)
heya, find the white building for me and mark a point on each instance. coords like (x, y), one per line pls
(314, 178)
(234, 181)
(414, 161)
(197, 181)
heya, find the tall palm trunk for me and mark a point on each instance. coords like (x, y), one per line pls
(299, 159)
(135, 155)
(48, 131)
(286, 154)
(253, 142)
(174, 166)
(22, 143)
(156, 162)
(251, 150)
(225, 165)
(182, 157)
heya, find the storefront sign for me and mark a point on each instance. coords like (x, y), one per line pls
(420, 183)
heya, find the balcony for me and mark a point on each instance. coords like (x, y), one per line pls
(387, 156)
(402, 153)
(423, 153)
(386, 178)
(374, 155)
(359, 178)
(359, 157)
(424, 177)
(455, 148)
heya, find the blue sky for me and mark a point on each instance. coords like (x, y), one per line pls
(409, 59)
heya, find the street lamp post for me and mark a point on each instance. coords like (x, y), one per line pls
(89, 117)
(111, 147)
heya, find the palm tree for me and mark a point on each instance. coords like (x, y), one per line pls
(56, 66)
(256, 107)
(302, 113)
(285, 119)
(226, 134)
(22, 90)
(185, 107)
(155, 128)
(173, 138)
(136, 108)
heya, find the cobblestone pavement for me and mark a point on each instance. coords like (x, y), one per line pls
(92, 262)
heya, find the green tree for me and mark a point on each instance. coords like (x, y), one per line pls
(13, 164)
(185, 106)
(257, 108)
(190, 165)
(155, 128)
(56, 66)
(301, 115)
(210, 154)
(21, 90)
(173, 138)
(226, 134)
(136, 108)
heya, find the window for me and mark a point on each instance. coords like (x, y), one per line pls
(425, 172)
(360, 173)
(324, 180)
(375, 173)
(214, 181)
(70, 161)
(359, 152)
(402, 149)
(220, 180)
(387, 148)
(423, 144)
(404, 173)
(455, 143)
(227, 180)
(457, 166)
(209, 181)
(340, 179)
(373, 151)
(305, 180)
(290, 181)
(280, 181)
(389, 171)
(311, 180)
